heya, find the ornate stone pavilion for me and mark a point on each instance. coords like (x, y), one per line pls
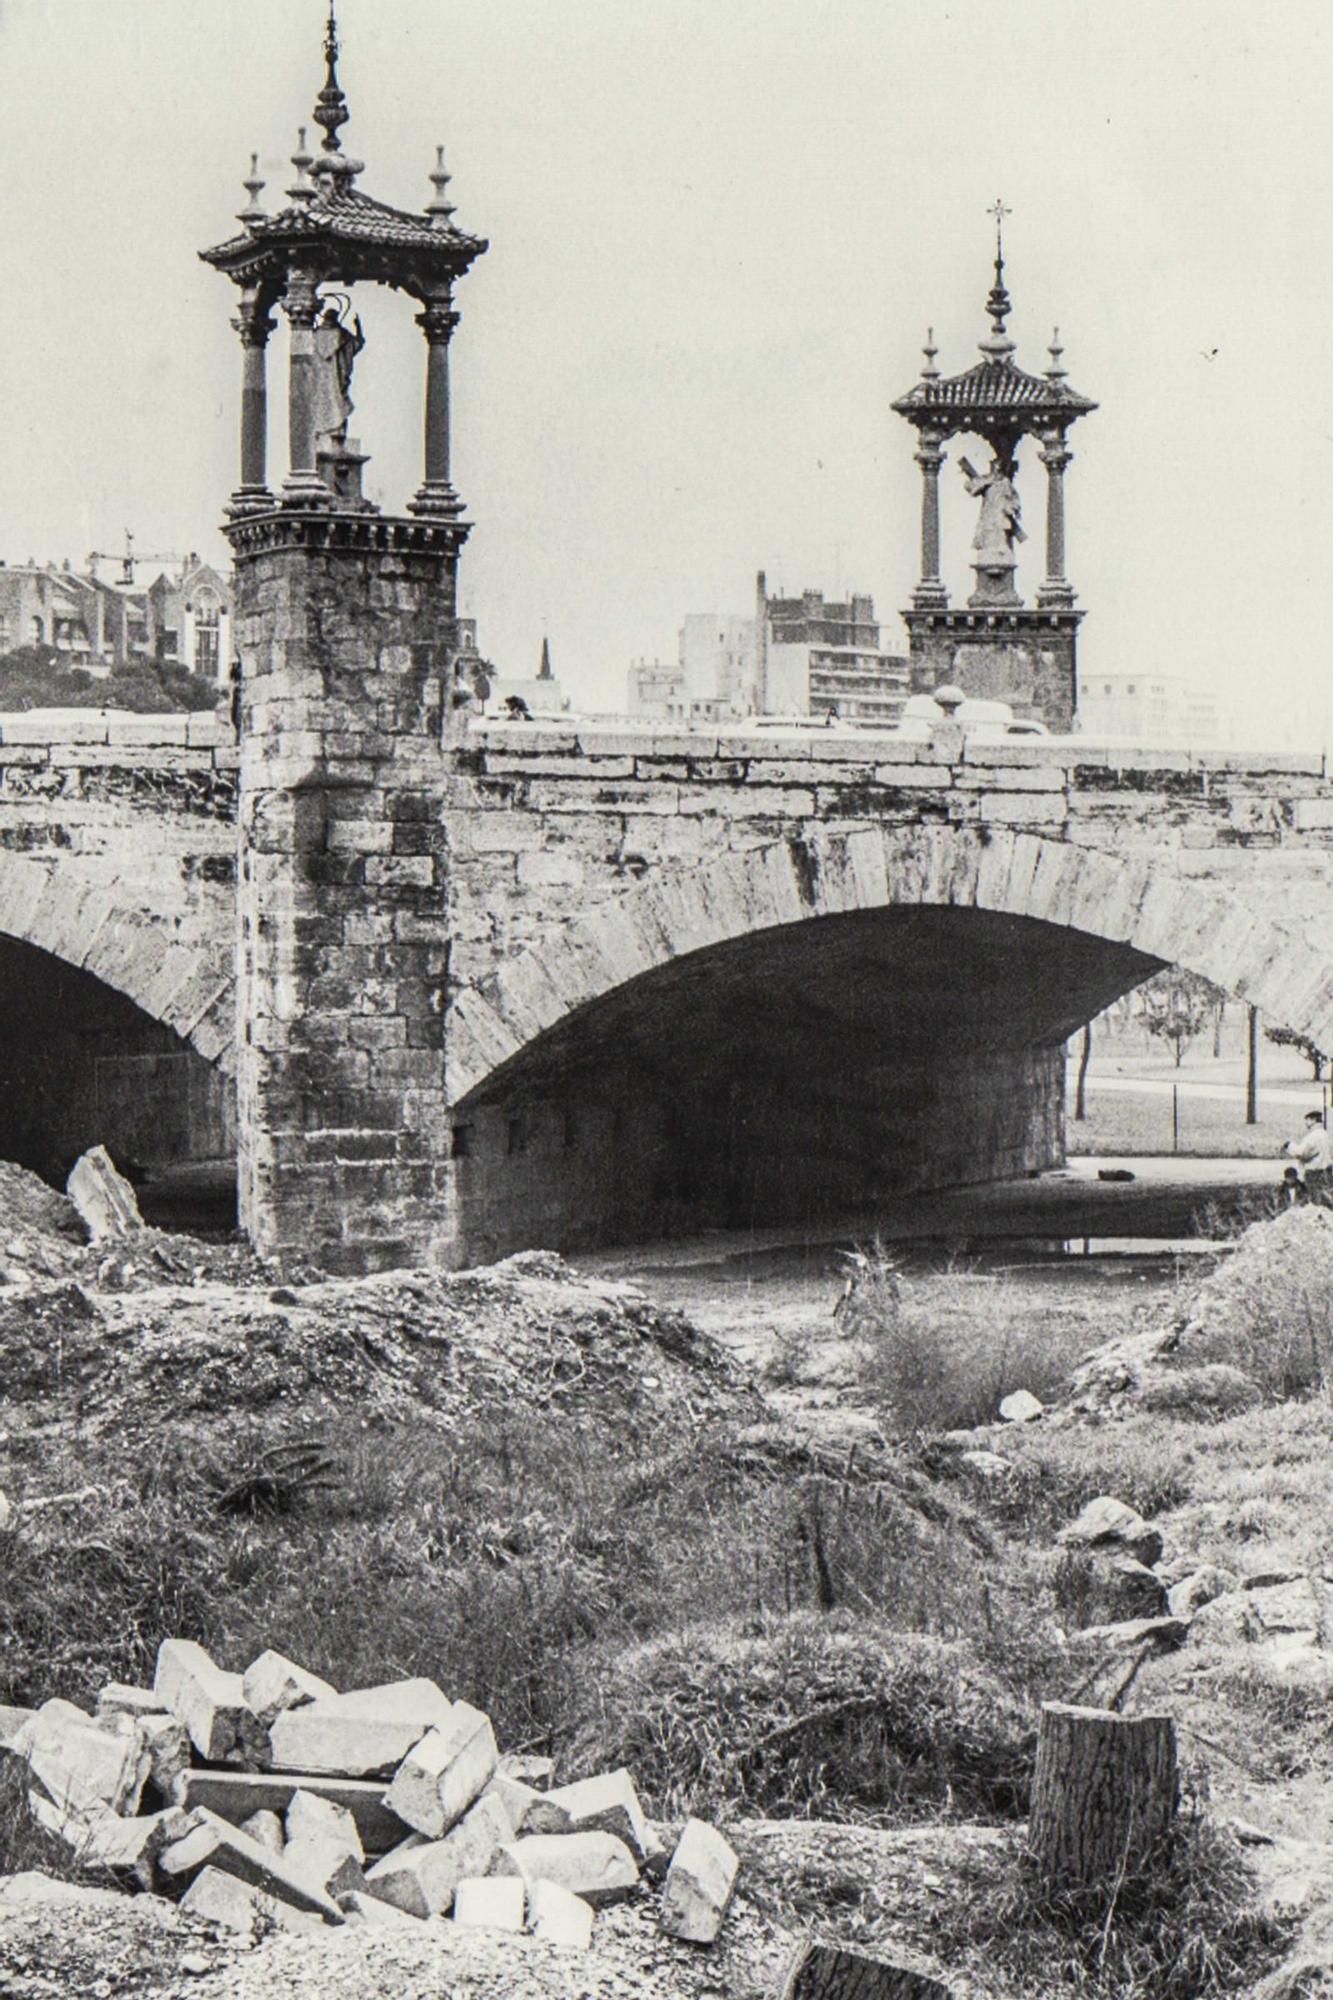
(997, 646)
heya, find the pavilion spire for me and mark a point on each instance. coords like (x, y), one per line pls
(998, 346)
(331, 105)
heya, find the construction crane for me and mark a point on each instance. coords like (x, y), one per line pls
(125, 581)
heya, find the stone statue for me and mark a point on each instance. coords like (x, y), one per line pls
(336, 346)
(1001, 514)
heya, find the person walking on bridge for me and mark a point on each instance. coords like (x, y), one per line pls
(1312, 1150)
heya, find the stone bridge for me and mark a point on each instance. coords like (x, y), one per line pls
(685, 980)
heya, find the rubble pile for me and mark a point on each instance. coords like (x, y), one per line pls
(269, 1801)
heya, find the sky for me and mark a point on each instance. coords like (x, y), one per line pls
(718, 231)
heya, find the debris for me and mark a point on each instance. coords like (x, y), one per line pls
(215, 1843)
(104, 1198)
(420, 1875)
(242, 1906)
(698, 1884)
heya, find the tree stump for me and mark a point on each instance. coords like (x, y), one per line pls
(1105, 1792)
(831, 1972)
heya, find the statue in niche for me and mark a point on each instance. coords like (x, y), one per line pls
(1000, 525)
(336, 346)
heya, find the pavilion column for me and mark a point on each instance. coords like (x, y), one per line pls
(436, 494)
(930, 591)
(1055, 456)
(303, 483)
(254, 327)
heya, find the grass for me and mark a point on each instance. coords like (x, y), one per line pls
(941, 1352)
(1138, 1124)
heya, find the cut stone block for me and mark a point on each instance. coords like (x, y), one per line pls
(234, 1795)
(596, 1866)
(607, 1803)
(266, 1828)
(359, 1907)
(225, 1899)
(131, 1846)
(420, 1876)
(445, 1772)
(104, 1198)
(698, 1884)
(559, 1917)
(492, 1902)
(517, 1800)
(324, 1861)
(168, 1748)
(12, 1721)
(535, 1771)
(309, 1816)
(117, 1698)
(272, 1684)
(211, 1704)
(358, 1735)
(214, 1843)
(76, 1759)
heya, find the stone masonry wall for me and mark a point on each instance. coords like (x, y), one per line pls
(344, 634)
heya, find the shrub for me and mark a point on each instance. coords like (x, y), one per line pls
(839, 1717)
(1268, 1310)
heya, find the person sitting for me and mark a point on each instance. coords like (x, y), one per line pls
(516, 709)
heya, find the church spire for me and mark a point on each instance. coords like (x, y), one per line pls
(997, 346)
(544, 672)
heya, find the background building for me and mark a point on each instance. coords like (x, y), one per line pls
(1146, 705)
(183, 619)
(797, 656)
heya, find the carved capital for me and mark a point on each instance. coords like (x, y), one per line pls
(253, 327)
(437, 322)
(930, 457)
(299, 301)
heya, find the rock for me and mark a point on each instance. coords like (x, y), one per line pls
(1126, 1634)
(517, 1800)
(272, 1684)
(107, 1204)
(596, 1866)
(699, 1883)
(214, 1843)
(559, 1917)
(77, 1760)
(6, 1511)
(324, 1861)
(607, 1803)
(122, 1846)
(359, 1735)
(309, 1816)
(168, 1748)
(211, 1704)
(1187, 1598)
(1293, 1661)
(493, 1902)
(1225, 1620)
(443, 1774)
(1119, 1587)
(118, 1699)
(1106, 1521)
(1292, 1606)
(266, 1828)
(360, 1907)
(12, 1720)
(535, 1771)
(1022, 1407)
(225, 1899)
(420, 1875)
(234, 1795)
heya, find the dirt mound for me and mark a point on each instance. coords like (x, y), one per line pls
(526, 1334)
(1260, 1324)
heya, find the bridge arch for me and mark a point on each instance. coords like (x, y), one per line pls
(1137, 900)
(184, 981)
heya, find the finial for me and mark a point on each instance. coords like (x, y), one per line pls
(254, 187)
(303, 188)
(1055, 373)
(930, 373)
(440, 208)
(998, 346)
(331, 106)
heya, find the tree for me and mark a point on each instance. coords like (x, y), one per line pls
(1287, 1038)
(1175, 1004)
